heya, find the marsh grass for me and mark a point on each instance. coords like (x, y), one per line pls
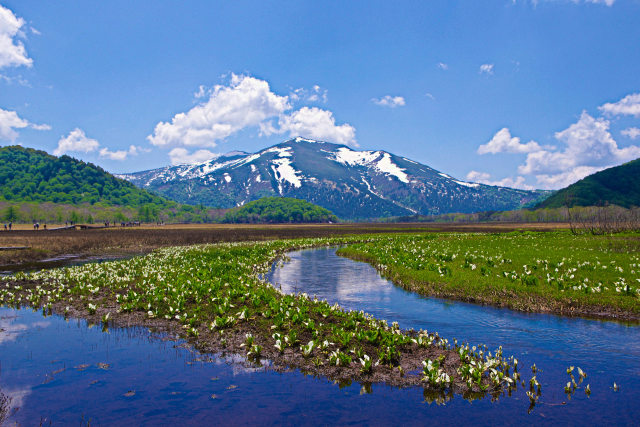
(212, 296)
(557, 272)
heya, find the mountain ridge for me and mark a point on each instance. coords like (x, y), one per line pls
(353, 184)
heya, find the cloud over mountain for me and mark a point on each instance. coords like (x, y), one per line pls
(247, 102)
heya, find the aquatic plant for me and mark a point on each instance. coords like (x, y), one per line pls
(214, 295)
(434, 374)
(555, 271)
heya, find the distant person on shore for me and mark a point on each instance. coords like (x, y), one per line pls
(10, 225)
(5, 227)
(45, 226)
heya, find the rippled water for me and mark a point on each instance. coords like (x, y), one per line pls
(69, 372)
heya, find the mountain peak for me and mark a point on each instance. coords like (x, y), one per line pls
(351, 183)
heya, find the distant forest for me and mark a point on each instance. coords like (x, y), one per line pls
(279, 210)
(58, 213)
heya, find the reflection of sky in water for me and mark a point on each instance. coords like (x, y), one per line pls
(328, 276)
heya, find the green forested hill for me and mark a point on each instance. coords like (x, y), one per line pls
(279, 210)
(28, 175)
(619, 185)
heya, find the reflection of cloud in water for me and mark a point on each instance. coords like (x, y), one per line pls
(288, 277)
(321, 272)
(9, 330)
(9, 333)
(357, 281)
(17, 398)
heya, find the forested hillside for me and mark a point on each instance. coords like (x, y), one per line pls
(619, 185)
(279, 210)
(31, 175)
(36, 186)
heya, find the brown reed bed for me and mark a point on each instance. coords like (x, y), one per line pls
(118, 241)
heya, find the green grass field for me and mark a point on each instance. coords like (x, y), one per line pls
(543, 272)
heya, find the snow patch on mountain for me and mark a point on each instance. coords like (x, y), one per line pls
(349, 157)
(467, 184)
(385, 165)
(283, 171)
(300, 139)
(282, 152)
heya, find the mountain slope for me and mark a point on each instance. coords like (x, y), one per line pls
(31, 175)
(619, 185)
(352, 184)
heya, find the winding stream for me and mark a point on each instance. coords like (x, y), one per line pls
(69, 372)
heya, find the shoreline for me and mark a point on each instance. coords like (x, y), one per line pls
(499, 298)
(340, 339)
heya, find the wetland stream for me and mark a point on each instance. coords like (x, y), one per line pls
(69, 372)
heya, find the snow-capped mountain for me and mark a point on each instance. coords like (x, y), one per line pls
(352, 184)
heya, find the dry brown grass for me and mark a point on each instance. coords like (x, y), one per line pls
(130, 240)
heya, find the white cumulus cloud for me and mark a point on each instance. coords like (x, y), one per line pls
(10, 121)
(246, 102)
(589, 148)
(486, 69)
(316, 123)
(629, 105)
(563, 179)
(389, 101)
(122, 154)
(180, 156)
(315, 94)
(586, 147)
(485, 178)
(503, 142)
(76, 141)
(631, 133)
(588, 143)
(12, 51)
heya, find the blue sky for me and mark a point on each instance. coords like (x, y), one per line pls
(532, 94)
